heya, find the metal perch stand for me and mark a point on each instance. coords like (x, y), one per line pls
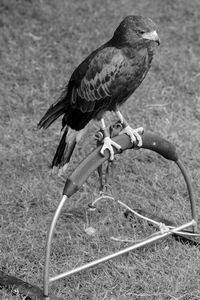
(72, 185)
(78, 177)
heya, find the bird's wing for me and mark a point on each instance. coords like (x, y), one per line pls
(99, 79)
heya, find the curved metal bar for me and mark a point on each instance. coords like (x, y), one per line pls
(190, 193)
(48, 246)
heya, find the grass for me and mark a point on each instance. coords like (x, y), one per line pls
(41, 43)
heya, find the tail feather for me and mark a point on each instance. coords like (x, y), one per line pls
(54, 112)
(65, 148)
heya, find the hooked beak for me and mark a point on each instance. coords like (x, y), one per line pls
(152, 36)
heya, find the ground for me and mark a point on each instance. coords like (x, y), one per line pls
(41, 43)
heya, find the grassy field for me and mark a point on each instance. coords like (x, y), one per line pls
(41, 42)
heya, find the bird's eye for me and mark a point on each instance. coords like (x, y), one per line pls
(141, 31)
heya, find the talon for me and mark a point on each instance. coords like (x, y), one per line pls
(135, 134)
(108, 143)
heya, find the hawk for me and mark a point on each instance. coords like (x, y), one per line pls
(103, 82)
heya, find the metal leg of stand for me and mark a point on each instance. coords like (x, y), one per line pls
(123, 251)
(190, 193)
(48, 246)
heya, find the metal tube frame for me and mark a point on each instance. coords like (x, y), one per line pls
(47, 279)
(190, 193)
(48, 246)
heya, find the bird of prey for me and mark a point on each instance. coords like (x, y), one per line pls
(103, 82)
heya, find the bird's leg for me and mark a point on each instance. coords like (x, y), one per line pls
(108, 143)
(99, 138)
(109, 176)
(135, 134)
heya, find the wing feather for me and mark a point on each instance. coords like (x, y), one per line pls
(106, 80)
(97, 82)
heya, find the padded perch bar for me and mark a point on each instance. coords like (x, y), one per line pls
(94, 160)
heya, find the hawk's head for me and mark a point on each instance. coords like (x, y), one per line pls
(135, 28)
